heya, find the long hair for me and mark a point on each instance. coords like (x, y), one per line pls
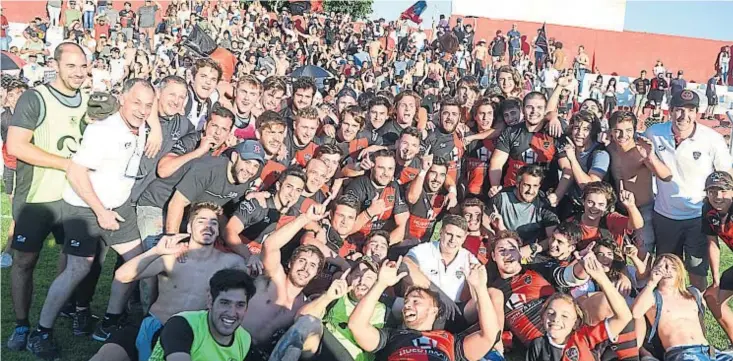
(681, 280)
(569, 299)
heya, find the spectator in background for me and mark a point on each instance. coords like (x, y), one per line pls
(127, 20)
(146, 21)
(101, 27)
(515, 42)
(724, 64)
(54, 11)
(71, 15)
(5, 39)
(548, 77)
(657, 88)
(609, 98)
(712, 95)
(498, 47)
(580, 67)
(678, 84)
(640, 87)
(559, 56)
(88, 15)
(659, 68)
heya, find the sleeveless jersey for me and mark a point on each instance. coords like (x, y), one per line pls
(58, 133)
(204, 347)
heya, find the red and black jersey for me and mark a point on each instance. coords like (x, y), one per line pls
(587, 343)
(350, 149)
(411, 345)
(715, 223)
(364, 190)
(270, 174)
(301, 155)
(525, 148)
(477, 167)
(450, 148)
(423, 214)
(524, 295)
(407, 172)
(259, 222)
(316, 198)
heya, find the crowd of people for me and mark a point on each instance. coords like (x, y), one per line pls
(441, 198)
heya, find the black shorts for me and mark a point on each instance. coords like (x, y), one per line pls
(83, 232)
(34, 222)
(126, 338)
(712, 101)
(726, 280)
(8, 180)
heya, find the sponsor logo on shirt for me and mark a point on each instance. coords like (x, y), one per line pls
(20, 239)
(572, 353)
(696, 155)
(74, 243)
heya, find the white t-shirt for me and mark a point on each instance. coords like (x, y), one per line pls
(549, 77)
(690, 163)
(98, 80)
(112, 154)
(117, 69)
(450, 279)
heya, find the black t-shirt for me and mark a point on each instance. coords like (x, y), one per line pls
(258, 220)
(540, 349)
(364, 190)
(525, 147)
(207, 181)
(412, 345)
(390, 132)
(641, 85)
(499, 47)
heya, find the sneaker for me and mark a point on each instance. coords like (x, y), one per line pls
(19, 338)
(43, 346)
(102, 333)
(82, 322)
(6, 260)
(68, 310)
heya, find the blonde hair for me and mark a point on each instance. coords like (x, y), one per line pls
(681, 279)
(569, 299)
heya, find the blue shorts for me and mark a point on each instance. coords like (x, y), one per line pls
(144, 341)
(696, 353)
(493, 355)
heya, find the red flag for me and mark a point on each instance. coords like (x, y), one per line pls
(413, 12)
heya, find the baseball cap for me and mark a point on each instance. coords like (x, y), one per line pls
(719, 180)
(251, 150)
(685, 98)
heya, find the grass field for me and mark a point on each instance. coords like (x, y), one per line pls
(78, 349)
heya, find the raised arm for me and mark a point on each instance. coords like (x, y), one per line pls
(175, 210)
(651, 160)
(621, 313)
(479, 343)
(150, 263)
(366, 335)
(636, 221)
(416, 186)
(645, 300)
(280, 237)
(338, 289)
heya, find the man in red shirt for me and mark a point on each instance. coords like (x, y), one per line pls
(4, 38)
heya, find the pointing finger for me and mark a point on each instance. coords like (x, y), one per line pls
(346, 274)
(621, 185)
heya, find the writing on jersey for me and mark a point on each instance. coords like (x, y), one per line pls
(525, 148)
(478, 166)
(411, 345)
(423, 214)
(524, 295)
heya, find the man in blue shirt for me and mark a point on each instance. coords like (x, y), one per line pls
(515, 42)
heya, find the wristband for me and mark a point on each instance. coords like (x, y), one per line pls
(368, 215)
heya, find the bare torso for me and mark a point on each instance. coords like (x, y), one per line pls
(270, 311)
(629, 167)
(186, 287)
(679, 323)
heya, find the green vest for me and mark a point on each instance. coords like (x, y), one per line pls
(337, 317)
(204, 347)
(59, 133)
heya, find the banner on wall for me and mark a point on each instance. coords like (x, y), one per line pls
(626, 98)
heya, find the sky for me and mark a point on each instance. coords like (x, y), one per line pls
(697, 19)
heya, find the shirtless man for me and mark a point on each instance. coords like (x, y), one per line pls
(178, 291)
(279, 293)
(633, 162)
(676, 313)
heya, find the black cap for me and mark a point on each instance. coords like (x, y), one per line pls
(685, 98)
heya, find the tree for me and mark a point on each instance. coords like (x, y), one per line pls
(358, 9)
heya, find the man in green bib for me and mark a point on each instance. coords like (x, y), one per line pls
(212, 334)
(44, 133)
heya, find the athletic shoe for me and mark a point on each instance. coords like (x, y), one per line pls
(102, 333)
(19, 338)
(68, 310)
(6, 260)
(43, 346)
(83, 322)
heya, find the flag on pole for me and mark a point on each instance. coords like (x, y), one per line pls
(542, 40)
(413, 12)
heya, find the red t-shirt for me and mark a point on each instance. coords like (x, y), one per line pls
(101, 29)
(3, 24)
(615, 223)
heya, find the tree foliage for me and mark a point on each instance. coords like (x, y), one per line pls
(358, 9)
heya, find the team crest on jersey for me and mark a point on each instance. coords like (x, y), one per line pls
(390, 198)
(425, 343)
(572, 353)
(442, 145)
(128, 145)
(546, 144)
(527, 280)
(308, 157)
(715, 221)
(661, 148)
(696, 155)
(460, 274)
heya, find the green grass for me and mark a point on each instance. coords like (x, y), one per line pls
(78, 349)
